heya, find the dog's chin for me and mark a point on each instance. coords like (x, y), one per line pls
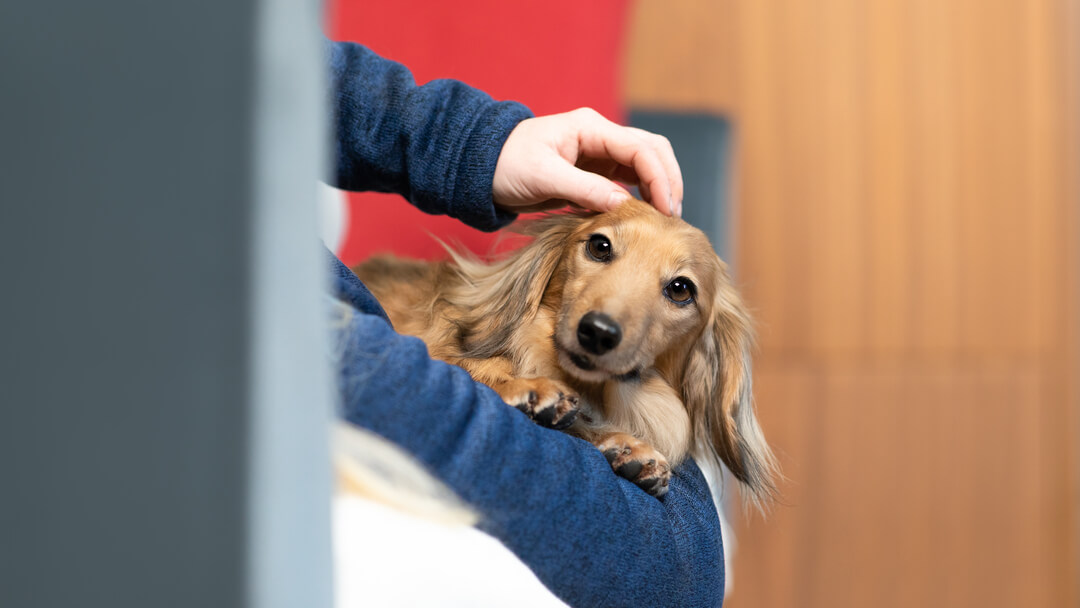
(583, 368)
(580, 367)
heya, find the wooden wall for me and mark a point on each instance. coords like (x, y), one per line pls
(906, 230)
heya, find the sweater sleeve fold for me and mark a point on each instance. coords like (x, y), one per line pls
(435, 144)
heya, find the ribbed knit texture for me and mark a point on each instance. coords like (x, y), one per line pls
(594, 539)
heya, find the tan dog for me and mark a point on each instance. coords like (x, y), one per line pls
(627, 317)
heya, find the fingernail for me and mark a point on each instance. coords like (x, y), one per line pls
(615, 199)
(677, 209)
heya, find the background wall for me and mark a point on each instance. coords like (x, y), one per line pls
(907, 233)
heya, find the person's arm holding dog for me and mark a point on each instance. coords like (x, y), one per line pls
(591, 537)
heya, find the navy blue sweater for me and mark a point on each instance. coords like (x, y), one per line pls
(594, 539)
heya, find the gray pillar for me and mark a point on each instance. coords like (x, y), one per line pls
(164, 412)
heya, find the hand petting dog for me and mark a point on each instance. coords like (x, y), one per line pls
(550, 161)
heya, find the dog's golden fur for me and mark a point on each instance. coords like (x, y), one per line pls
(679, 380)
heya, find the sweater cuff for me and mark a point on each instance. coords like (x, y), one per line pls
(472, 200)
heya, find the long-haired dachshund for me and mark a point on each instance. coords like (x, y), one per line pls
(622, 328)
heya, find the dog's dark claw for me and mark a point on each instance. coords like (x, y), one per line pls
(565, 421)
(533, 398)
(522, 407)
(611, 454)
(648, 484)
(629, 470)
(546, 416)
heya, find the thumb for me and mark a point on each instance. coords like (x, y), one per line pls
(586, 189)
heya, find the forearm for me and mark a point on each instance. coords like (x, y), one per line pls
(592, 538)
(436, 144)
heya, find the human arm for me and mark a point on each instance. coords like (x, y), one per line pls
(437, 144)
(593, 538)
(451, 149)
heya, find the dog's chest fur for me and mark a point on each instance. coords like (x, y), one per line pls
(646, 407)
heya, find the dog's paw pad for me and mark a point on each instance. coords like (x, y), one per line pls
(638, 462)
(629, 469)
(546, 416)
(564, 420)
(547, 402)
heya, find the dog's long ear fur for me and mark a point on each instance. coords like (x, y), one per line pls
(718, 392)
(502, 296)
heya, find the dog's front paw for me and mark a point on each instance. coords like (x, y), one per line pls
(546, 401)
(637, 461)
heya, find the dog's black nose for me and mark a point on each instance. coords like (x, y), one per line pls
(598, 333)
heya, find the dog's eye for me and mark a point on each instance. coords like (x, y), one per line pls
(599, 248)
(680, 290)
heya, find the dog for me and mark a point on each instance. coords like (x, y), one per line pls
(622, 328)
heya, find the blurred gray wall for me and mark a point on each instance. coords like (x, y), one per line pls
(703, 143)
(164, 414)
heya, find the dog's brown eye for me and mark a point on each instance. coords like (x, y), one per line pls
(681, 290)
(599, 248)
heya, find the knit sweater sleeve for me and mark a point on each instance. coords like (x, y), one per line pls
(435, 144)
(592, 538)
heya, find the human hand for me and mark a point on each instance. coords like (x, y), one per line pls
(550, 161)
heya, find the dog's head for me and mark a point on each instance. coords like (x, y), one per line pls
(635, 291)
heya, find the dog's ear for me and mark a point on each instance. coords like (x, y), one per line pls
(718, 391)
(500, 297)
